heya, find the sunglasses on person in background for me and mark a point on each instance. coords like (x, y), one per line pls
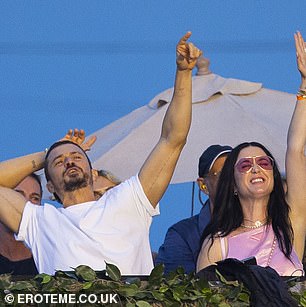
(245, 165)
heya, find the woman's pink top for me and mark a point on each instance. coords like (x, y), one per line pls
(262, 244)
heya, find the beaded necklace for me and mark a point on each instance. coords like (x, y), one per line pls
(272, 251)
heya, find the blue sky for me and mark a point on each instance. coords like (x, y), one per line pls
(84, 64)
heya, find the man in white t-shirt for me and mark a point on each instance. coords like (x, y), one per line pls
(115, 228)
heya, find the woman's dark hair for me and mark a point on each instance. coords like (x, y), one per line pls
(227, 214)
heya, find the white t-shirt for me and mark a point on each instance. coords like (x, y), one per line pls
(113, 229)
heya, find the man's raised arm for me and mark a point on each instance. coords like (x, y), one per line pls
(15, 170)
(157, 171)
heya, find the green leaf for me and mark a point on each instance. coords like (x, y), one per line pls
(206, 291)
(202, 302)
(87, 285)
(233, 283)
(217, 298)
(43, 278)
(68, 284)
(198, 293)
(65, 274)
(5, 281)
(49, 287)
(233, 292)
(156, 274)
(171, 275)
(180, 270)
(193, 297)
(303, 301)
(128, 290)
(158, 295)
(180, 290)
(129, 304)
(133, 280)
(244, 297)
(113, 272)
(143, 295)
(163, 288)
(175, 280)
(142, 304)
(176, 296)
(200, 284)
(85, 273)
(21, 285)
(104, 286)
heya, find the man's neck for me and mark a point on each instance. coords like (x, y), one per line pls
(79, 196)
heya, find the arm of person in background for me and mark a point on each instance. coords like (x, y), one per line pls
(15, 170)
(295, 155)
(156, 172)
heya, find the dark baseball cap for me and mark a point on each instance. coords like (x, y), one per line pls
(209, 156)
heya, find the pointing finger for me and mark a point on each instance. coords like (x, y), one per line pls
(185, 38)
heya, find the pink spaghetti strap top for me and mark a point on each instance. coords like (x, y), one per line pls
(262, 244)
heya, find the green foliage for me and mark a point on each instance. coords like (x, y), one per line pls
(85, 273)
(113, 272)
(175, 289)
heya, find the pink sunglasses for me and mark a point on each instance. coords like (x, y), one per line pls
(244, 165)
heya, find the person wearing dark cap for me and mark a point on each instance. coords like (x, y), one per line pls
(182, 241)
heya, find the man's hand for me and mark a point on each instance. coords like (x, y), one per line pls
(78, 136)
(186, 53)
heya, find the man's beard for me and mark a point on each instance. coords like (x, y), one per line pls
(76, 183)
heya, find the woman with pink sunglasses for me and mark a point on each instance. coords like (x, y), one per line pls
(253, 217)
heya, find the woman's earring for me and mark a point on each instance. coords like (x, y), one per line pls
(235, 193)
